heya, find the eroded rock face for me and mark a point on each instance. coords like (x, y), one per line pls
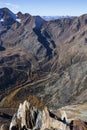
(29, 117)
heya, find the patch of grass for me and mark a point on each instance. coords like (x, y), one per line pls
(10, 102)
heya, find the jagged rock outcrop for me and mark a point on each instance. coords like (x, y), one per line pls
(29, 117)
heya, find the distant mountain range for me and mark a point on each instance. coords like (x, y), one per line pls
(48, 18)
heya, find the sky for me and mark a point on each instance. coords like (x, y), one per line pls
(47, 7)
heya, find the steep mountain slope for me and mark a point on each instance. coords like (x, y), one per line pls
(42, 59)
(70, 37)
(24, 49)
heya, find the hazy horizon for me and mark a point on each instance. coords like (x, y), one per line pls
(47, 7)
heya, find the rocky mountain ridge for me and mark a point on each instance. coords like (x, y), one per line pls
(17, 39)
(42, 59)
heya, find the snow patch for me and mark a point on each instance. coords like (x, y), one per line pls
(1, 20)
(18, 20)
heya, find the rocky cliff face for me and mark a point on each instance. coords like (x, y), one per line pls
(28, 117)
(32, 118)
